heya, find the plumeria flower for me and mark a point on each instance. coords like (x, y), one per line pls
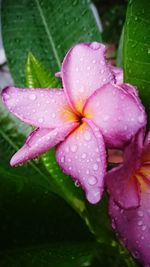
(129, 207)
(91, 111)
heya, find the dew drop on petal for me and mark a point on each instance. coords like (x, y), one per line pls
(143, 227)
(62, 159)
(105, 118)
(140, 223)
(53, 115)
(74, 148)
(83, 156)
(140, 213)
(92, 180)
(7, 96)
(94, 195)
(32, 97)
(40, 120)
(95, 167)
(95, 45)
(87, 136)
(141, 118)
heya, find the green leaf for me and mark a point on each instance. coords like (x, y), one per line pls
(47, 29)
(37, 76)
(56, 255)
(120, 50)
(137, 48)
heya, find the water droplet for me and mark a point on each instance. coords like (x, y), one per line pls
(94, 61)
(95, 167)
(40, 120)
(87, 136)
(92, 180)
(94, 195)
(88, 68)
(143, 227)
(139, 223)
(77, 184)
(81, 89)
(105, 118)
(141, 118)
(135, 254)
(53, 115)
(6, 96)
(140, 213)
(95, 45)
(32, 97)
(113, 224)
(83, 156)
(62, 159)
(74, 148)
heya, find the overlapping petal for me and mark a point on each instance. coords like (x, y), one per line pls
(41, 140)
(117, 113)
(84, 70)
(124, 188)
(133, 227)
(82, 155)
(118, 73)
(44, 108)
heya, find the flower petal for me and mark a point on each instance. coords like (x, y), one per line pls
(133, 227)
(121, 182)
(124, 188)
(117, 113)
(84, 70)
(45, 108)
(118, 73)
(82, 155)
(41, 140)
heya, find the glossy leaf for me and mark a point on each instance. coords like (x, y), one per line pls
(47, 29)
(38, 76)
(137, 48)
(56, 255)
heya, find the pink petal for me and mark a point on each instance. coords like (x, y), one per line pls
(133, 227)
(58, 74)
(82, 155)
(121, 182)
(45, 108)
(84, 70)
(123, 187)
(118, 73)
(117, 113)
(40, 141)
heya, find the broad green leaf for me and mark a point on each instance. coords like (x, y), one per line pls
(34, 70)
(47, 29)
(120, 51)
(137, 48)
(56, 255)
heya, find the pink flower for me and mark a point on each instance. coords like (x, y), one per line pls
(91, 111)
(129, 207)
